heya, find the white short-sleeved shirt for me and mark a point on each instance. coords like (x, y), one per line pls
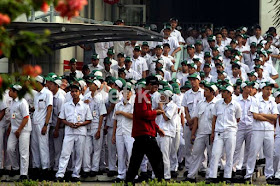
(101, 49)
(255, 39)
(98, 67)
(265, 107)
(269, 70)
(74, 114)
(169, 127)
(191, 99)
(265, 79)
(124, 124)
(246, 120)
(97, 108)
(139, 65)
(2, 107)
(19, 110)
(152, 63)
(204, 113)
(180, 75)
(132, 74)
(242, 48)
(68, 97)
(79, 74)
(173, 43)
(249, 59)
(58, 101)
(227, 115)
(226, 41)
(42, 100)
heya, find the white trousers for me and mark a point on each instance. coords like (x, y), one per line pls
(175, 146)
(124, 145)
(276, 159)
(92, 152)
(55, 147)
(165, 144)
(22, 143)
(241, 137)
(40, 147)
(4, 159)
(70, 142)
(112, 151)
(104, 154)
(202, 142)
(260, 139)
(181, 150)
(188, 147)
(225, 140)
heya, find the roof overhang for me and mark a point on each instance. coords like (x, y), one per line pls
(65, 35)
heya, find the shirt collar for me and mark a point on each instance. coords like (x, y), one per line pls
(16, 100)
(72, 103)
(262, 100)
(229, 103)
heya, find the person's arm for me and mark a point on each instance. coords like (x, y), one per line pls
(48, 116)
(125, 114)
(165, 117)
(270, 116)
(194, 129)
(65, 122)
(86, 122)
(56, 130)
(114, 132)
(2, 114)
(175, 51)
(259, 117)
(111, 108)
(277, 56)
(97, 135)
(274, 76)
(213, 128)
(144, 74)
(22, 125)
(188, 117)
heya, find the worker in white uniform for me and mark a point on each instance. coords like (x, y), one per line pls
(123, 115)
(95, 63)
(43, 104)
(167, 124)
(139, 64)
(75, 115)
(73, 73)
(227, 113)
(19, 137)
(56, 127)
(94, 139)
(202, 129)
(244, 131)
(276, 158)
(189, 102)
(265, 114)
(3, 129)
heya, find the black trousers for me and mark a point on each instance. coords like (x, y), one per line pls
(145, 145)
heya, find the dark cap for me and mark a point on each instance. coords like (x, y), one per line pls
(152, 80)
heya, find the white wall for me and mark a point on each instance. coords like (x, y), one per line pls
(266, 15)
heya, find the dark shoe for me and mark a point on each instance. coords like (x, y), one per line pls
(101, 172)
(2, 171)
(227, 180)
(85, 174)
(22, 177)
(202, 173)
(190, 180)
(58, 179)
(186, 173)
(112, 173)
(93, 173)
(181, 166)
(174, 174)
(118, 180)
(276, 181)
(248, 180)
(143, 177)
(75, 179)
(12, 173)
(211, 180)
(270, 180)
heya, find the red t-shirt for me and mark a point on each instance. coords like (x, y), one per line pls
(143, 115)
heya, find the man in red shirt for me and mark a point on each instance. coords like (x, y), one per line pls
(144, 131)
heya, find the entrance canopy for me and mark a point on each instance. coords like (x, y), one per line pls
(65, 35)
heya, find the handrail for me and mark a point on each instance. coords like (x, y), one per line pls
(178, 58)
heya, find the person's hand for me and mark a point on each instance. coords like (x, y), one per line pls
(44, 130)
(9, 131)
(72, 125)
(114, 139)
(192, 139)
(87, 101)
(173, 60)
(17, 133)
(55, 134)
(239, 72)
(159, 112)
(161, 132)
(212, 137)
(97, 135)
(77, 125)
(118, 112)
(105, 130)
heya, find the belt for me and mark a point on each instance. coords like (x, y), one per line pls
(144, 137)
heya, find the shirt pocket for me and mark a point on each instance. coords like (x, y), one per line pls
(42, 104)
(200, 112)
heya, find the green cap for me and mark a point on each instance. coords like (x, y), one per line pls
(190, 46)
(107, 60)
(207, 54)
(187, 85)
(195, 76)
(185, 62)
(228, 47)
(95, 56)
(234, 41)
(238, 82)
(254, 44)
(110, 79)
(266, 84)
(211, 38)
(202, 74)
(192, 65)
(127, 59)
(159, 46)
(198, 42)
(207, 65)
(137, 47)
(145, 43)
(167, 26)
(73, 60)
(111, 51)
(258, 66)
(176, 88)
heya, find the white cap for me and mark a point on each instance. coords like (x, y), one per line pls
(97, 83)
(214, 87)
(277, 93)
(40, 79)
(230, 89)
(17, 87)
(119, 83)
(245, 29)
(98, 73)
(256, 86)
(159, 77)
(168, 93)
(58, 82)
(161, 61)
(82, 83)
